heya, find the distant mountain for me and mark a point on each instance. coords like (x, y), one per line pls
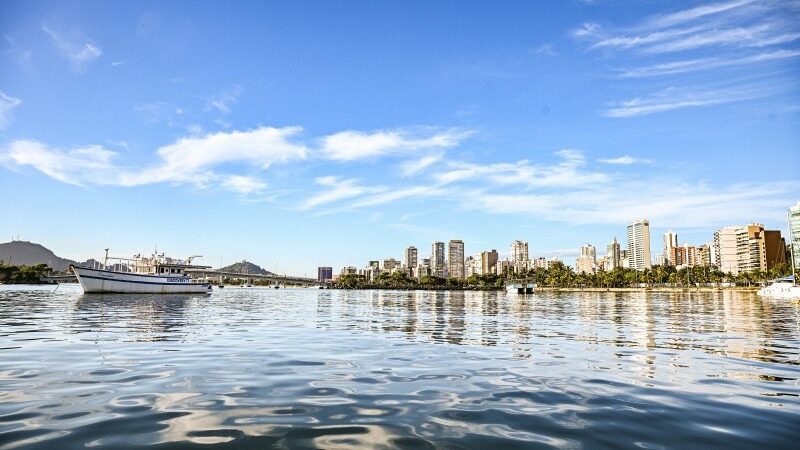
(29, 253)
(245, 267)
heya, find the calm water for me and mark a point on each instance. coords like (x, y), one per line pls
(260, 368)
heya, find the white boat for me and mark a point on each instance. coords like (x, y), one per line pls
(783, 289)
(518, 288)
(156, 274)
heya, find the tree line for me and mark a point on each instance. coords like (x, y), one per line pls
(23, 274)
(559, 275)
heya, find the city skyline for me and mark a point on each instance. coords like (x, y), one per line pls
(262, 132)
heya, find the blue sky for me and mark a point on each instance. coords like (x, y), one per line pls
(298, 134)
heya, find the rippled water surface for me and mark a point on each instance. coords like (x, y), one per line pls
(261, 368)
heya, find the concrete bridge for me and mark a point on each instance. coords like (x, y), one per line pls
(284, 279)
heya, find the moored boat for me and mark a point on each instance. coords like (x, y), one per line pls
(156, 274)
(782, 288)
(520, 288)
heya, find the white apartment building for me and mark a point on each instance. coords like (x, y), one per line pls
(639, 245)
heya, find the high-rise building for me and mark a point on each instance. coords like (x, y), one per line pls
(614, 258)
(725, 250)
(519, 252)
(411, 257)
(639, 245)
(324, 274)
(437, 259)
(455, 258)
(794, 234)
(589, 251)
(749, 247)
(586, 262)
(520, 260)
(540, 262)
(489, 262)
(670, 242)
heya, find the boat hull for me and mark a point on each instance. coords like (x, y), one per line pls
(96, 281)
(781, 291)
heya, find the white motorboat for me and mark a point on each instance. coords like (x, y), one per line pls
(156, 274)
(782, 288)
(519, 288)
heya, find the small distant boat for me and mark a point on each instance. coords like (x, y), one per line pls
(782, 288)
(156, 274)
(520, 288)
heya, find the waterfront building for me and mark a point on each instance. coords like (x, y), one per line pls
(639, 245)
(749, 247)
(519, 251)
(552, 261)
(602, 263)
(725, 250)
(472, 265)
(794, 233)
(455, 258)
(503, 267)
(324, 274)
(411, 257)
(588, 259)
(349, 270)
(489, 262)
(613, 254)
(670, 242)
(624, 260)
(584, 264)
(438, 259)
(390, 264)
(520, 260)
(540, 263)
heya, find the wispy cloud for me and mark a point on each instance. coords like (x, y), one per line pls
(688, 204)
(337, 189)
(354, 145)
(223, 101)
(568, 172)
(625, 160)
(78, 50)
(692, 65)
(7, 106)
(414, 167)
(679, 98)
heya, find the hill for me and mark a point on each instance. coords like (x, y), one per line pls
(245, 267)
(29, 253)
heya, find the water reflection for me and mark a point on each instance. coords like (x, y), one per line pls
(256, 368)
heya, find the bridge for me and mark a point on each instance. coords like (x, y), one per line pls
(285, 279)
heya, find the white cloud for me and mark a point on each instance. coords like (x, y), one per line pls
(625, 160)
(682, 205)
(189, 160)
(7, 106)
(336, 189)
(697, 12)
(78, 166)
(243, 185)
(78, 50)
(414, 167)
(353, 145)
(567, 172)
